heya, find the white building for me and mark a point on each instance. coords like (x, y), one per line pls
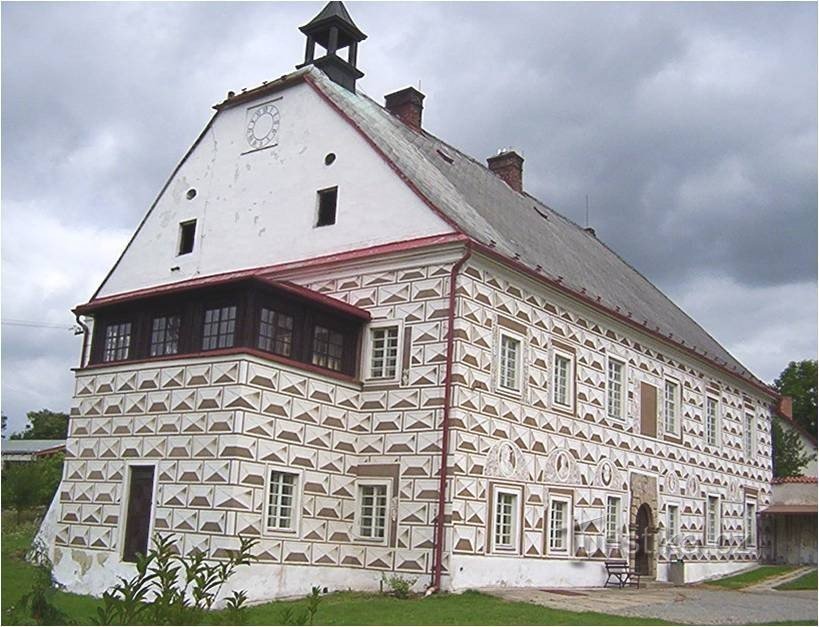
(271, 357)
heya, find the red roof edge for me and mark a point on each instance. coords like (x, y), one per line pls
(268, 273)
(784, 409)
(799, 479)
(319, 298)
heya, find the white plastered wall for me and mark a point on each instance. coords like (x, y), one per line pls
(259, 208)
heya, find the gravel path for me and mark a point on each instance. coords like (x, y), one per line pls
(679, 604)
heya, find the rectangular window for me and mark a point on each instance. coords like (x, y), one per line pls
(384, 352)
(281, 501)
(750, 524)
(671, 406)
(672, 526)
(711, 421)
(558, 526)
(616, 387)
(749, 436)
(165, 336)
(373, 511)
(187, 237)
(711, 520)
(328, 348)
(612, 518)
(117, 341)
(327, 202)
(275, 332)
(505, 528)
(509, 366)
(562, 384)
(220, 328)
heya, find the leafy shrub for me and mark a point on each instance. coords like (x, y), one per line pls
(180, 588)
(37, 606)
(401, 587)
(290, 617)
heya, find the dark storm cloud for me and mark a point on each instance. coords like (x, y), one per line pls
(692, 127)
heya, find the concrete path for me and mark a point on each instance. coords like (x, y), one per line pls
(773, 582)
(696, 605)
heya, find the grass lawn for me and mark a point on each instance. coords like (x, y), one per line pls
(805, 582)
(344, 608)
(735, 582)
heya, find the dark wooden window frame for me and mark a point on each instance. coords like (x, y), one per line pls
(249, 297)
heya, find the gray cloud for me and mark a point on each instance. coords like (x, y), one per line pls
(692, 127)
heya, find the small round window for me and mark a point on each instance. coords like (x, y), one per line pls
(191, 194)
(330, 158)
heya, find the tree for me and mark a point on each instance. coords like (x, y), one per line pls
(29, 484)
(44, 425)
(789, 456)
(5, 424)
(798, 381)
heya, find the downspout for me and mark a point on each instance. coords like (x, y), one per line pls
(84, 339)
(450, 345)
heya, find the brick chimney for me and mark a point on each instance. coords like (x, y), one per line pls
(508, 165)
(785, 406)
(407, 105)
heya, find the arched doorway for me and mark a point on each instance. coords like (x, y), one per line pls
(644, 553)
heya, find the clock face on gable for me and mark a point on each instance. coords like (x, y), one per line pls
(262, 126)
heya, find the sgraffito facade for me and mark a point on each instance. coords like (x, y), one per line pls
(272, 357)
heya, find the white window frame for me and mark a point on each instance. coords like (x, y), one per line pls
(623, 387)
(750, 436)
(516, 337)
(298, 489)
(570, 384)
(717, 421)
(676, 423)
(568, 522)
(750, 533)
(517, 494)
(388, 516)
(613, 535)
(367, 366)
(672, 528)
(709, 541)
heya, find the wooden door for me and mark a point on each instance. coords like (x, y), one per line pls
(648, 410)
(138, 518)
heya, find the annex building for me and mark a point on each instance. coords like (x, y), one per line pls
(338, 334)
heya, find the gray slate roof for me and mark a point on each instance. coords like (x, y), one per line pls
(489, 211)
(26, 447)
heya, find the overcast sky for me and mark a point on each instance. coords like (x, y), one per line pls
(692, 128)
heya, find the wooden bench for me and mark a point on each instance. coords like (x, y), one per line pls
(620, 574)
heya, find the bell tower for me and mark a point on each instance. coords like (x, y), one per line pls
(334, 30)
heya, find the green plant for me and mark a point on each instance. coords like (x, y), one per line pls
(180, 588)
(313, 601)
(400, 587)
(37, 606)
(290, 617)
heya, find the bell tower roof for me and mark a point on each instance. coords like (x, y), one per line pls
(333, 29)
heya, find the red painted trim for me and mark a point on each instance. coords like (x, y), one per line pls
(221, 352)
(438, 541)
(50, 451)
(798, 479)
(264, 271)
(594, 304)
(319, 298)
(309, 80)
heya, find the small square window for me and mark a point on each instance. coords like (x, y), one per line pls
(117, 341)
(282, 501)
(187, 236)
(750, 524)
(672, 527)
(712, 520)
(671, 406)
(506, 520)
(612, 519)
(616, 388)
(749, 436)
(384, 352)
(373, 506)
(563, 381)
(327, 203)
(165, 336)
(711, 421)
(275, 332)
(328, 348)
(559, 525)
(219, 329)
(509, 365)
